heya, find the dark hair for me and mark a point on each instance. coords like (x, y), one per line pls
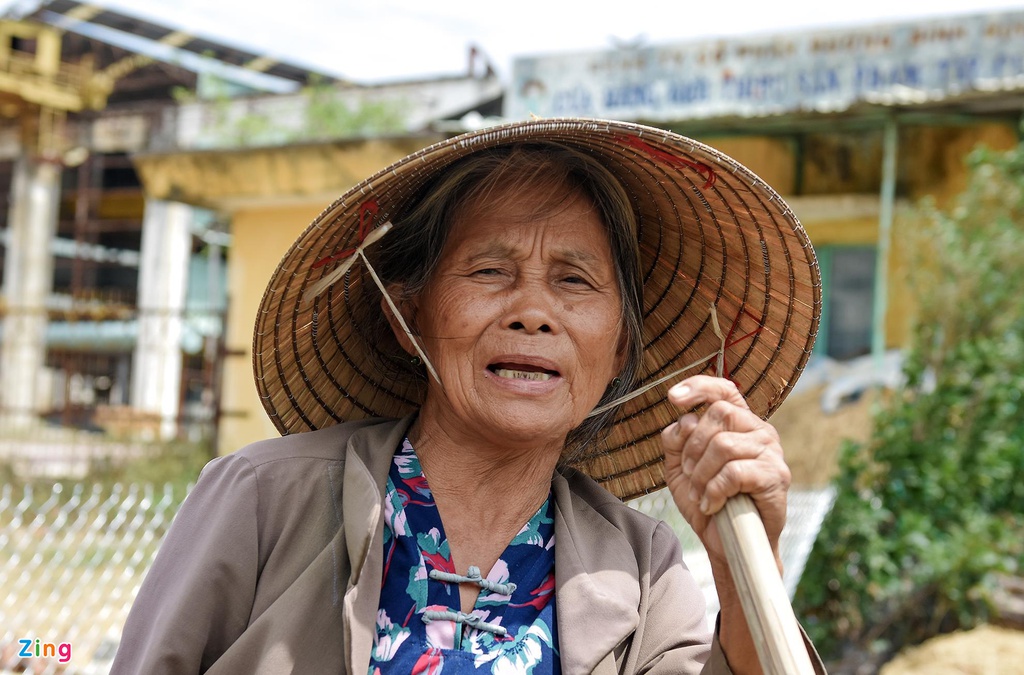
(408, 256)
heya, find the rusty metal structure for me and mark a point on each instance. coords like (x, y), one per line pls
(111, 316)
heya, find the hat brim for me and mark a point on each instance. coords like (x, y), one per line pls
(712, 235)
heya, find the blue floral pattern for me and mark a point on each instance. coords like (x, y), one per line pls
(414, 545)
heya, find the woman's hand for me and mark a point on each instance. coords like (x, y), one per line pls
(727, 451)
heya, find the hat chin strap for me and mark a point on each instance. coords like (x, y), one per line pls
(718, 355)
(398, 315)
(647, 387)
(336, 274)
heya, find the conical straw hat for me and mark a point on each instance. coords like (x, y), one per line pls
(730, 283)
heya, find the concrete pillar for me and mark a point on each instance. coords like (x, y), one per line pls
(163, 282)
(28, 282)
(890, 150)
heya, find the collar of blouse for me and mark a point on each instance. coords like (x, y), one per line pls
(596, 575)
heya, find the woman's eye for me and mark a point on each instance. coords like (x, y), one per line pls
(488, 271)
(575, 280)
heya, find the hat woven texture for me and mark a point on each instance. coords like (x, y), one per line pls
(728, 273)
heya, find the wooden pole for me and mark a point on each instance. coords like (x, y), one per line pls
(773, 626)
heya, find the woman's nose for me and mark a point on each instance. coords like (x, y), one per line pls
(529, 328)
(532, 311)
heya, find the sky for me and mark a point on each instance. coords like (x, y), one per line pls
(390, 40)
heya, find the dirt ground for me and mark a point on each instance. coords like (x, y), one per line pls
(811, 438)
(987, 650)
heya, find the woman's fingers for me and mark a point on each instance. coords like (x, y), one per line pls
(699, 389)
(766, 483)
(673, 437)
(726, 451)
(720, 417)
(714, 465)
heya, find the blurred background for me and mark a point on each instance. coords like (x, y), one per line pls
(158, 157)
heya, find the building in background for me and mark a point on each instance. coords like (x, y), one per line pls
(113, 301)
(844, 123)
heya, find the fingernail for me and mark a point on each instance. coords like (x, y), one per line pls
(688, 466)
(680, 390)
(693, 495)
(704, 506)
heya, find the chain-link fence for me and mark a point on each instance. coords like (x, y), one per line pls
(806, 509)
(72, 559)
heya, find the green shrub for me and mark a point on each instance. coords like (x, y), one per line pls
(174, 463)
(177, 463)
(930, 508)
(328, 116)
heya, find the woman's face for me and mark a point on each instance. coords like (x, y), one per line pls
(522, 321)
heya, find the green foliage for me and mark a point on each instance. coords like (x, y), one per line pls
(930, 508)
(183, 95)
(251, 126)
(175, 463)
(327, 116)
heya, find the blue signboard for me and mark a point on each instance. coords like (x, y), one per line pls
(824, 71)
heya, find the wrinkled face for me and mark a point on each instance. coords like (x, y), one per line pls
(522, 321)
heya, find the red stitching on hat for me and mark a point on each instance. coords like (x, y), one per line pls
(704, 169)
(370, 207)
(732, 329)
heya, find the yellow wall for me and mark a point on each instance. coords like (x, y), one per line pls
(770, 158)
(260, 237)
(930, 163)
(845, 232)
(934, 157)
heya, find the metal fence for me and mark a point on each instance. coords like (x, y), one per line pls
(71, 562)
(806, 509)
(72, 558)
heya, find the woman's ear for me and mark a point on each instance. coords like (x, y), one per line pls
(408, 309)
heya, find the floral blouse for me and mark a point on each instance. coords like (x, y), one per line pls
(420, 628)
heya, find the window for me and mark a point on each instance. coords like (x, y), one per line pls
(848, 282)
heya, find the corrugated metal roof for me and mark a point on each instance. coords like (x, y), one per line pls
(166, 43)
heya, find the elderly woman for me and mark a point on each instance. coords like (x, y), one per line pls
(470, 338)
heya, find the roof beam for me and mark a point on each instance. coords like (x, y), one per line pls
(171, 54)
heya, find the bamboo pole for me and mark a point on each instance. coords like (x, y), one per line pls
(780, 646)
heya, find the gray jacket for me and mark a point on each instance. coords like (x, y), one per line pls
(274, 563)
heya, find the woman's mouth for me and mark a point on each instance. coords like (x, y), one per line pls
(522, 371)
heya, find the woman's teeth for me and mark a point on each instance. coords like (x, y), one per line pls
(522, 374)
